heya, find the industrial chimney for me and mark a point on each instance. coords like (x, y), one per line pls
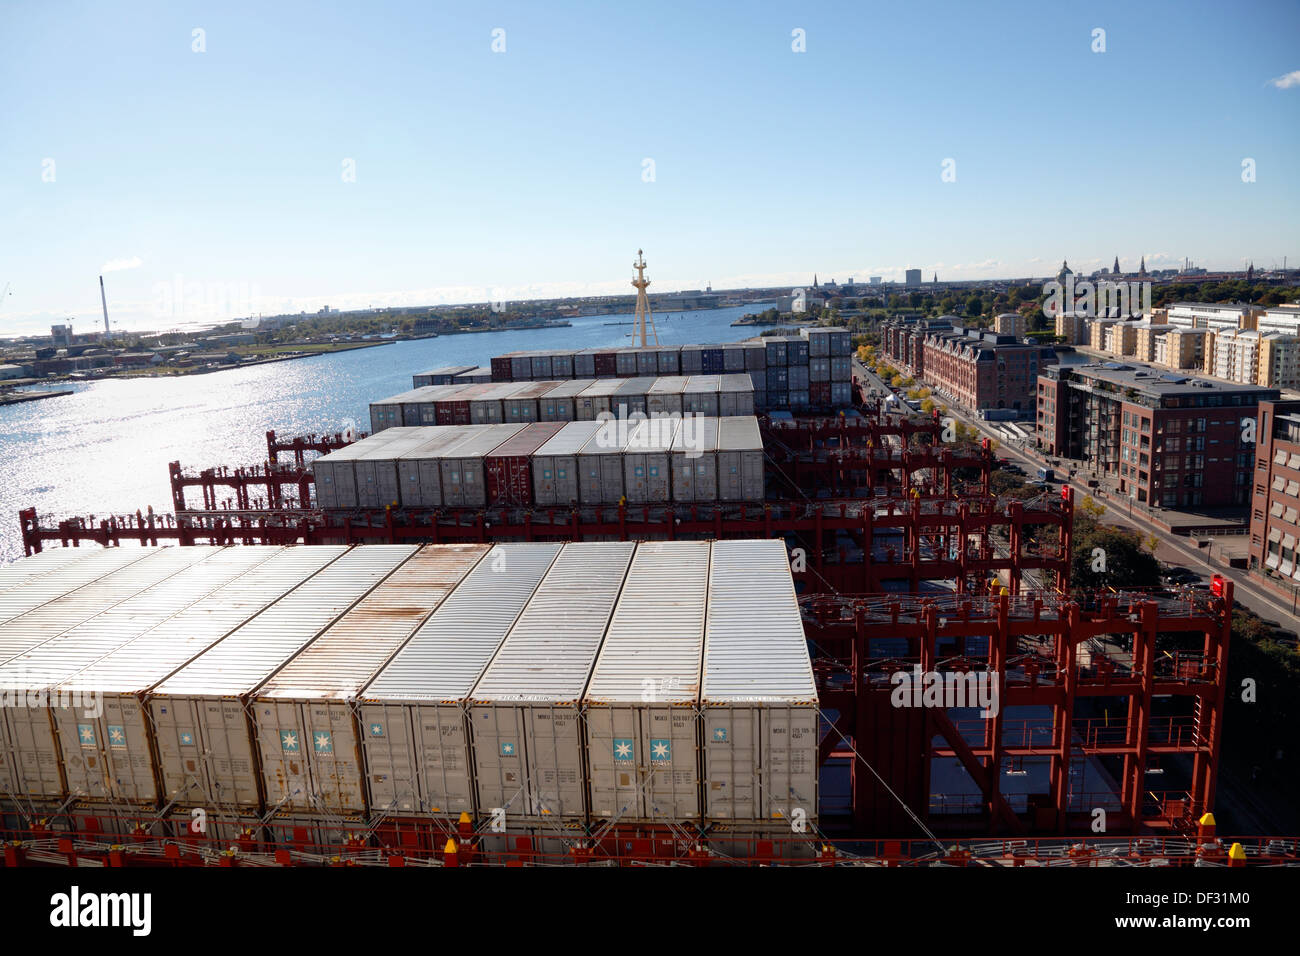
(104, 301)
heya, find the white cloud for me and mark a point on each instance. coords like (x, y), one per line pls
(117, 265)
(1286, 80)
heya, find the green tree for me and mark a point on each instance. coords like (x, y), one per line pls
(1108, 557)
(974, 305)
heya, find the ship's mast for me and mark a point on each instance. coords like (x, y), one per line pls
(643, 316)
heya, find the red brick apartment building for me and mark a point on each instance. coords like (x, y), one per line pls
(1275, 505)
(985, 372)
(1173, 441)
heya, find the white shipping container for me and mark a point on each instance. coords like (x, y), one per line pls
(125, 771)
(646, 475)
(464, 478)
(741, 475)
(736, 395)
(59, 583)
(526, 710)
(759, 700)
(642, 728)
(203, 733)
(630, 399)
(310, 701)
(29, 732)
(419, 470)
(558, 403)
(700, 396)
(416, 739)
(600, 464)
(42, 562)
(378, 485)
(664, 397)
(335, 476)
(555, 465)
(595, 399)
(695, 460)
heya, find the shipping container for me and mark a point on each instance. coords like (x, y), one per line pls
(526, 711)
(121, 768)
(463, 466)
(408, 408)
(509, 469)
(584, 363)
(626, 363)
(562, 365)
(642, 729)
(692, 359)
(647, 361)
(501, 369)
(700, 396)
(439, 376)
(819, 394)
(630, 399)
(670, 360)
(755, 356)
(312, 698)
(778, 378)
(778, 398)
(776, 352)
(419, 471)
(664, 397)
(758, 699)
(740, 459)
(454, 409)
(521, 366)
(841, 342)
(646, 474)
(595, 400)
(841, 394)
(800, 377)
(541, 366)
(819, 369)
(799, 398)
(841, 368)
(27, 735)
(378, 484)
(694, 460)
(605, 364)
(25, 571)
(474, 376)
(202, 731)
(736, 395)
(711, 361)
(558, 404)
(486, 409)
(600, 464)
(555, 465)
(733, 358)
(521, 407)
(416, 740)
(334, 476)
(819, 342)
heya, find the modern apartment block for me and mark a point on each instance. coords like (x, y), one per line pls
(1072, 328)
(1275, 504)
(1010, 323)
(1235, 356)
(1183, 348)
(994, 375)
(1171, 440)
(1210, 315)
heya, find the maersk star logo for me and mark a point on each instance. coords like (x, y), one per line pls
(289, 741)
(507, 749)
(376, 730)
(187, 740)
(661, 750)
(86, 734)
(623, 750)
(323, 742)
(116, 736)
(720, 735)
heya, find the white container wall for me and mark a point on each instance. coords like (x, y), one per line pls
(758, 699)
(525, 715)
(310, 701)
(419, 471)
(741, 474)
(555, 465)
(694, 460)
(642, 728)
(600, 464)
(416, 740)
(646, 475)
(204, 736)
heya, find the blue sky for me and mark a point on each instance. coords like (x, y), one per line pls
(219, 174)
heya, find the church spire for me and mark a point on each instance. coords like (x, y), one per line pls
(1116, 269)
(1142, 269)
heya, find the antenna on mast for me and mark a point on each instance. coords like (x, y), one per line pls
(108, 333)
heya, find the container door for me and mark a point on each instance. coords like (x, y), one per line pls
(390, 758)
(453, 496)
(499, 766)
(334, 757)
(614, 755)
(670, 745)
(554, 754)
(228, 753)
(683, 477)
(732, 745)
(789, 762)
(176, 722)
(283, 744)
(36, 754)
(443, 759)
(611, 478)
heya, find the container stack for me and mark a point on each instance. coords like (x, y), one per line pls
(553, 463)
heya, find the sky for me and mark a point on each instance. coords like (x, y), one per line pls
(224, 159)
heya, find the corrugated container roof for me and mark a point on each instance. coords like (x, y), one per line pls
(153, 656)
(637, 385)
(500, 390)
(570, 439)
(442, 438)
(703, 383)
(739, 433)
(62, 656)
(425, 393)
(652, 435)
(79, 604)
(445, 658)
(340, 662)
(42, 562)
(668, 385)
(469, 393)
(535, 389)
(657, 631)
(610, 439)
(398, 447)
(447, 370)
(569, 388)
(240, 663)
(482, 442)
(754, 644)
(366, 446)
(602, 386)
(698, 433)
(548, 654)
(527, 440)
(60, 582)
(737, 382)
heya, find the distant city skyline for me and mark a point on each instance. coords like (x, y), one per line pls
(314, 154)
